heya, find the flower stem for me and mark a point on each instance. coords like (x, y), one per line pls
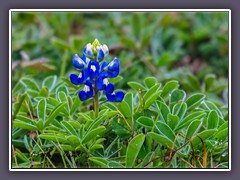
(96, 106)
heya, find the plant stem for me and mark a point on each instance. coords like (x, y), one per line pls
(96, 106)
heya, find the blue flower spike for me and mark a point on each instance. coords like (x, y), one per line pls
(95, 76)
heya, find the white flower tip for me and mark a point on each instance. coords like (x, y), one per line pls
(93, 68)
(105, 49)
(86, 88)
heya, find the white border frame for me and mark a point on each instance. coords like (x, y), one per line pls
(117, 10)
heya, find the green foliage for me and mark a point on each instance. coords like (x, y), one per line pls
(127, 134)
(174, 74)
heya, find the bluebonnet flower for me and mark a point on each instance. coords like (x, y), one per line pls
(94, 72)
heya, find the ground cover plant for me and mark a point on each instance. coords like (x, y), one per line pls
(120, 90)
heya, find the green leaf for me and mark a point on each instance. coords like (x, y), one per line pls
(75, 124)
(169, 87)
(19, 104)
(164, 111)
(65, 147)
(53, 137)
(203, 135)
(17, 88)
(150, 81)
(165, 130)
(150, 92)
(221, 135)
(39, 125)
(99, 161)
(133, 149)
(96, 123)
(77, 42)
(124, 108)
(96, 146)
(21, 155)
(166, 58)
(44, 92)
(212, 120)
(92, 134)
(145, 122)
(69, 128)
(194, 82)
(41, 110)
(121, 129)
(179, 109)
(136, 86)
(151, 99)
(73, 140)
(52, 101)
(172, 121)
(177, 95)
(147, 159)
(60, 44)
(54, 113)
(61, 88)
(187, 120)
(16, 132)
(114, 164)
(24, 119)
(146, 40)
(115, 80)
(223, 126)
(49, 82)
(24, 125)
(85, 116)
(27, 143)
(29, 84)
(193, 128)
(63, 98)
(209, 81)
(211, 105)
(194, 100)
(127, 42)
(161, 139)
(136, 25)
(129, 100)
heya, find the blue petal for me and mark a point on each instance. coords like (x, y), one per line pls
(85, 59)
(77, 62)
(119, 96)
(82, 95)
(100, 84)
(113, 74)
(93, 69)
(100, 54)
(110, 97)
(88, 50)
(74, 79)
(104, 64)
(105, 50)
(110, 88)
(85, 74)
(114, 65)
(114, 68)
(90, 92)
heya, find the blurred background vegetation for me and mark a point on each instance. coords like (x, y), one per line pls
(191, 47)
